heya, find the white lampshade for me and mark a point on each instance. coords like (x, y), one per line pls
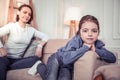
(21, 2)
(72, 13)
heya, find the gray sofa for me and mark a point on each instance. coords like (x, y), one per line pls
(84, 67)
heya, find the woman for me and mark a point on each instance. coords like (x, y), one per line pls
(60, 64)
(20, 35)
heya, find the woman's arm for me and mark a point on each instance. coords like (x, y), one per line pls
(44, 38)
(4, 31)
(41, 35)
(39, 48)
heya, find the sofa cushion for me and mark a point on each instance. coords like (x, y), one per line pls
(109, 72)
(21, 74)
(51, 47)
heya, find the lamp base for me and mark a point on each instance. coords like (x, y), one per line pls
(72, 30)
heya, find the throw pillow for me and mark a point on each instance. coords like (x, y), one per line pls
(32, 48)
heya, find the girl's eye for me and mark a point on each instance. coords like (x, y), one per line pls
(29, 14)
(84, 30)
(24, 12)
(95, 31)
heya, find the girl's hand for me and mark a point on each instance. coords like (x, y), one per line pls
(89, 45)
(38, 52)
(92, 47)
(3, 52)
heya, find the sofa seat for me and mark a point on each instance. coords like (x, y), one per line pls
(21, 74)
(50, 48)
(84, 67)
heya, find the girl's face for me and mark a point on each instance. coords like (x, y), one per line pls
(24, 14)
(89, 32)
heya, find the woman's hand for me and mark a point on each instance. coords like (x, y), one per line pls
(3, 52)
(38, 52)
(39, 48)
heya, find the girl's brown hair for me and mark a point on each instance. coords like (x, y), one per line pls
(85, 19)
(25, 5)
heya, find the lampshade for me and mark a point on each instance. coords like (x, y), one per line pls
(21, 2)
(72, 13)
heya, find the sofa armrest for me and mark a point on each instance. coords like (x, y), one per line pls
(108, 69)
(109, 72)
(85, 66)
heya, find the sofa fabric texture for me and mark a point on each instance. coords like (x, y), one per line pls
(31, 48)
(50, 48)
(109, 72)
(84, 67)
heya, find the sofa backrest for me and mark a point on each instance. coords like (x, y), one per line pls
(52, 46)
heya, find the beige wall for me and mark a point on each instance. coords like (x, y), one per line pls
(50, 17)
(3, 11)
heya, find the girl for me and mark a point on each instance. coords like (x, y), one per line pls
(20, 34)
(60, 64)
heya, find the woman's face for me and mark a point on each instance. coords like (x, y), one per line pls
(89, 32)
(24, 14)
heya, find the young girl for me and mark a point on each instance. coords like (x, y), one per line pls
(20, 34)
(60, 64)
